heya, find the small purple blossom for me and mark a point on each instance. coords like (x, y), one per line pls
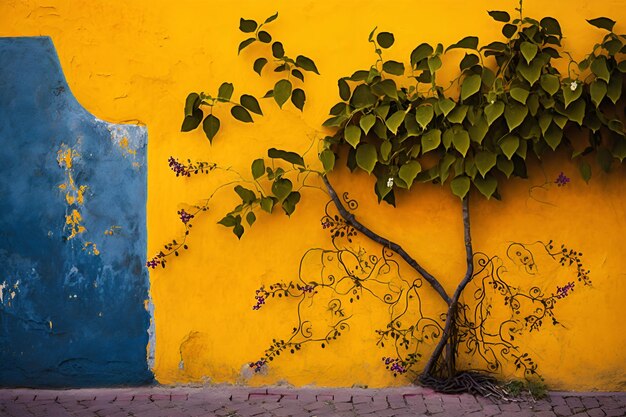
(326, 224)
(260, 298)
(306, 289)
(152, 263)
(562, 180)
(178, 168)
(562, 292)
(184, 216)
(395, 365)
(258, 365)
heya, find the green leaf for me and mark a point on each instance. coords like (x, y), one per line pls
(258, 168)
(509, 30)
(282, 92)
(395, 120)
(393, 67)
(422, 51)
(551, 26)
(478, 130)
(597, 89)
(386, 87)
(487, 186)
(509, 145)
(259, 64)
(468, 42)
(499, 16)
(289, 204)
(191, 103)
(505, 166)
(470, 86)
(530, 72)
(230, 221)
(328, 160)
(515, 114)
(210, 126)
(600, 69)
(264, 37)
(271, 18)
(619, 149)
(468, 61)
(344, 89)
(585, 171)
(434, 63)
(409, 171)
(241, 114)
(352, 134)
(193, 121)
(553, 136)
(446, 105)
(431, 140)
(576, 112)
(225, 91)
(247, 196)
(385, 150)
(238, 230)
(244, 44)
(247, 26)
(277, 50)
(529, 51)
(550, 83)
(424, 114)
(602, 23)
(267, 204)
(250, 103)
(461, 141)
(484, 161)
(291, 157)
(366, 157)
(460, 186)
(306, 64)
(385, 39)
(362, 97)
(250, 218)
(366, 123)
(458, 114)
(298, 97)
(614, 91)
(569, 95)
(281, 188)
(520, 94)
(298, 74)
(493, 111)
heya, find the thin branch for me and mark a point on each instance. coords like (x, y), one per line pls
(349, 217)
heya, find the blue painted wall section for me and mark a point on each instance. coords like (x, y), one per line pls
(73, 289)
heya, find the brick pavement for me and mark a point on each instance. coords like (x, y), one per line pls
(231, 401)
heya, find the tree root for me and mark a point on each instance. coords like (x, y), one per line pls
(474, 383)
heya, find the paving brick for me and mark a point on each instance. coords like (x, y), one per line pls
(615, 412)
(545, 414)
(562, 410)
(596, 412)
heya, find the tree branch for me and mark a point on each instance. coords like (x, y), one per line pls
(349, 217)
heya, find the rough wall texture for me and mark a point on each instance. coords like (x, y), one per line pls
(73, 290)
(138, 60)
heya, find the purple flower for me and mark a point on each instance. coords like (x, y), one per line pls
(258, 365)
(561, 180)
(152, 263)
(178, 168)
(184, 216)
(260, 298)
(562, 292)
(395, 365)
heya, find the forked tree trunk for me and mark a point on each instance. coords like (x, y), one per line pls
(440, 368)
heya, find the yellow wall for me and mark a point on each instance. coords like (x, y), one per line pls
(135, 61)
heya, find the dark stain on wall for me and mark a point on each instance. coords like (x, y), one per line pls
(73, 290)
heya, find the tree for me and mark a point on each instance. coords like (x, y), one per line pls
(513, 107)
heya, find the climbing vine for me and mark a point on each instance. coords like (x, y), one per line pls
(508, 105)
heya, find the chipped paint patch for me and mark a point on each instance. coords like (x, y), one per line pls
(127, 142)
(112, 230)
(91, 248)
